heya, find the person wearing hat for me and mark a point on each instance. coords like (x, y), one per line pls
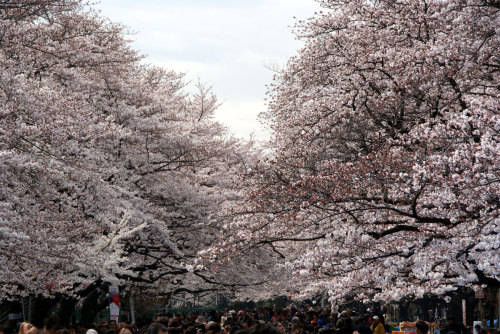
(102, 327)
(377, 326)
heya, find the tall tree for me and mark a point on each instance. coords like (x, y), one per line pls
(109, 170)
(383, 176)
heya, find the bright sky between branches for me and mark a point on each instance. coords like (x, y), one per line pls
(227, 43)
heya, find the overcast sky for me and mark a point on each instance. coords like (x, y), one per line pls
(226, 43)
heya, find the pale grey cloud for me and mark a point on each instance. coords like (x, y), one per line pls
(223, 42)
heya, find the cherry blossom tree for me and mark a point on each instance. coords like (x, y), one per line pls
(382, 179)
(188, 174)
(110, 170)
(56, 61)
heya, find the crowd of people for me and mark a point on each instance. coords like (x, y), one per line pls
(252, 321)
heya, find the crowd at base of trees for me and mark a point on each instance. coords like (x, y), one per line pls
(286, 316)
(92, 310)
(381, 180)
